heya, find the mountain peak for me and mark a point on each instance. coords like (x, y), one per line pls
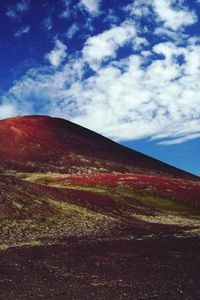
(26, 118)
(42, 143)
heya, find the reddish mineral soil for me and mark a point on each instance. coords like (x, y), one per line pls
(182, 190)
(82, 217)
(38, 143)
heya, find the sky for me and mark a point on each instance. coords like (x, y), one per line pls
(127, 69)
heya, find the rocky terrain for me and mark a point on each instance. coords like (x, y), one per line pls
(82, 217)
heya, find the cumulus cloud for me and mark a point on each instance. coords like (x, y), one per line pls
(47, 23)
(139, 8)
(67, 10)
(73, 29)
(174, 18)
(16, 11)
(139, 102)
(124, 100)
(172, 14)
(111, 17)
(23, 30)
(106, 44)
(151, 92)
(91, 6)
(58, 54)
(7, 110)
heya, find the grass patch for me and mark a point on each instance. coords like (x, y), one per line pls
(158, 203)
(42, 180)
(121, 194)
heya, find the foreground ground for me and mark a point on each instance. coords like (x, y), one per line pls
(127, 267)
(107, 236)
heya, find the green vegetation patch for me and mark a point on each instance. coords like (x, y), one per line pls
(42, 180)
(158, 203)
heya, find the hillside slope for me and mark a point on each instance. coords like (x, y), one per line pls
(82, 217)
(31, 213)
(83, 241)
(42, 144)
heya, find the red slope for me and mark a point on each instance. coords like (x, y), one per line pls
(181, 190)
(39, 143)
(14, 190)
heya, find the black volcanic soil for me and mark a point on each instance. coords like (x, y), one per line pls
(152, 268)
(86, 246)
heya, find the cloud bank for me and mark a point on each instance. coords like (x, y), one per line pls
(121, 84)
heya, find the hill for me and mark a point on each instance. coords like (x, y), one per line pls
(45, 144)
(82, 217)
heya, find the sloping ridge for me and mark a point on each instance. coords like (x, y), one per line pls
(42, 144)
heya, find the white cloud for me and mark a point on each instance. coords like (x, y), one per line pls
(173, 14)
(73, 29)
(16, 11)
(163, 98)
(7, 110)
(47, 23)
(106, 44)
(139, 43)
(139, 8)
(181, 139)
(22, 31)
(111, 17)
(176, 36)
(91, 6)
(153, 92)
(58, 54)
(69, 9)
(123, 100)
(174, 18)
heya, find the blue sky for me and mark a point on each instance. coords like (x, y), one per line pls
(129, 70)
